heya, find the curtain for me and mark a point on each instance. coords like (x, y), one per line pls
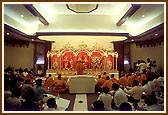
(119, 47)
(47, 48)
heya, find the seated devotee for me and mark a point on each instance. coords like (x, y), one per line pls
(156, 84)
(100, 82)
(51, 105)
(25, 72)
(39, 71)
(123, 81)
(98, 106)
(152, 103)
(29, 104)
(113, 79)
(49, 82)
(39, 91)
(144, 88)
(108, 83)
(118, 96)
(7, 91)
(59, 85)
(125, 107)
(106, 98)
(134, 93)
(30, 76)
(142, 77)
(104, 75)
(27, 85)
(13, 103)
(80, 67)
(130, 80)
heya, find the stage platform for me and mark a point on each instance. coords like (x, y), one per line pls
(69, 73)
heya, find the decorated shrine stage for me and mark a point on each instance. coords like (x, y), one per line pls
(95, 60)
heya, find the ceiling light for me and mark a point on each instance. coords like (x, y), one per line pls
(156, 34)
(7, 33)
(143, 16)
(132, 40)
(22, 16)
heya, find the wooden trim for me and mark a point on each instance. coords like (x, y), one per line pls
(34, 11)
(80, 33)
(128, 14)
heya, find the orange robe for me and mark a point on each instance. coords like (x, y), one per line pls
(80, 68)
(108, 83)
(114, 80)
(123, 82)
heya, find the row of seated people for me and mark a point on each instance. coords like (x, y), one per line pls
(26, 94)
(140, 88)
(117, 98)
(56, 85)
(126, 80)
(24, 97)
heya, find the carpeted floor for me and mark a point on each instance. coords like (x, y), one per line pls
(91, 97)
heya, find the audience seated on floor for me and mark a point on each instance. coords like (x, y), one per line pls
(51, 105)
(125, 107)
(113, 79)
(100, 82)
(123, 81)
(30, 76)
(108, 83)
(13, 103)
(7, 91)
(39, 90)
(28, 104)
(59, 86)
(135, 93)
(98, 106)
(27, 85)
(104, 75)
(118, 96)
(106, 98)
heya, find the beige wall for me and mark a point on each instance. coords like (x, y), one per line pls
(75, 41)
(19, 57)
(154, 53)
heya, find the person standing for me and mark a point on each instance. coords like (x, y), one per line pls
(80, 68)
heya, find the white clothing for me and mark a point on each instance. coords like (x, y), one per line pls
(142, 66)
(135, 92)
(106, 99)
(25, 74)
(120, 97)
(156, 85)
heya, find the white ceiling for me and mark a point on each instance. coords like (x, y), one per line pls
(102, 19)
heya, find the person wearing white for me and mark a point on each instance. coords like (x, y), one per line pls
(119, 95)
(135, 92)
(106, 98)
(142, 66)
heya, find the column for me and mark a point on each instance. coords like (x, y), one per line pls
(116, 60)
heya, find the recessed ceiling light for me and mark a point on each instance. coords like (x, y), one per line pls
(156, 34)
(22, 16)
(7, 33)
(143, 16)
(132, 40)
